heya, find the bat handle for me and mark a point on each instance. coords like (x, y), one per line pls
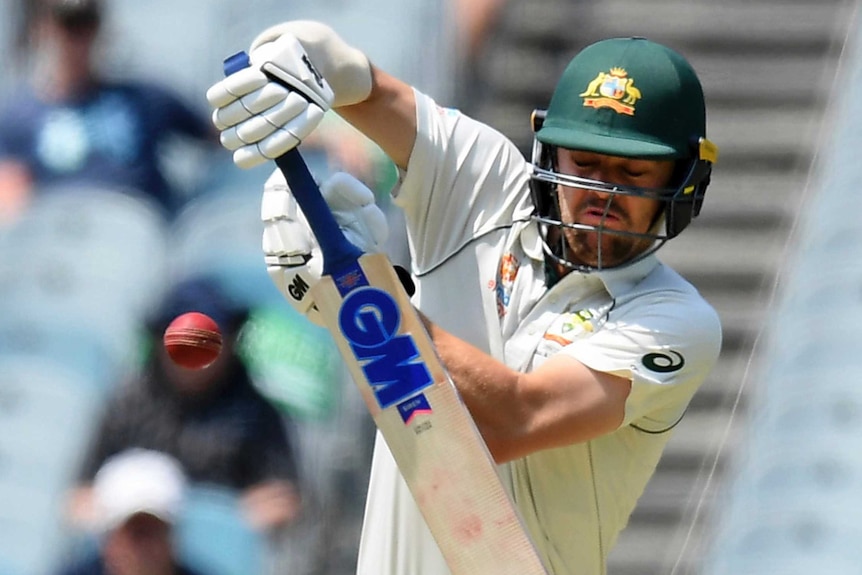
(336, 249)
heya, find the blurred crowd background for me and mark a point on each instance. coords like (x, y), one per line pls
(118, 211)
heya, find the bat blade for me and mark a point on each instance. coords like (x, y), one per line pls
(426, 425)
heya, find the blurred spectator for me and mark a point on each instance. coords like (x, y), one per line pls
(70, 124)
(511, 53)
(213, 420)
(137, 497)
(476, 20)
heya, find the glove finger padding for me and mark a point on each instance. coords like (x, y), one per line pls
(353, 207)
(293, 259)
(262, 99)
(291, 252)
(286, 231)
(288, 112)
(280, 141)
(245, 81)
(268, 108)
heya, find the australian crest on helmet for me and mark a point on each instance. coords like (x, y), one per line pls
(613, 89)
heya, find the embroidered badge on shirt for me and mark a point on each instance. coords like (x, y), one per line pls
(505, 281)
(568, 327)
(572, 325)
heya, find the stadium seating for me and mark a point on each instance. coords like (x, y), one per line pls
(44, 425)
(791, 537)
(219, 234)
(37, 335)
(29, 534)
(86, 263)
(104, 244)
(214, 536)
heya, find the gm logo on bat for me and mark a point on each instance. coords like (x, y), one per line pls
(369, 319)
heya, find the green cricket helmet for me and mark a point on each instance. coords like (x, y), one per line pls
(627, 97)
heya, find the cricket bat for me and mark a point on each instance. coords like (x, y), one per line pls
(410, 396)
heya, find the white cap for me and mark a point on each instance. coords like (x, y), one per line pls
(138, 481)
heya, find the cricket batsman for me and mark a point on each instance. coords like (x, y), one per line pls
(574, 348)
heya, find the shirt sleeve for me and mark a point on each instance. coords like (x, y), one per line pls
(463, 179)
(666, 347)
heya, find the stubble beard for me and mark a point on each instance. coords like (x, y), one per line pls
(603, 248)
(582, 246)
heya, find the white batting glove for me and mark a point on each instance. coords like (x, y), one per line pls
(346, 69)
(293, 258)
(261, 118)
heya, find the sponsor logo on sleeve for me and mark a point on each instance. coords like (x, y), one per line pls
(666, 362)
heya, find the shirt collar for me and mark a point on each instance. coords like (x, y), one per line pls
(621, 280)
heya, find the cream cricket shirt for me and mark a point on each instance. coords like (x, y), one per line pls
(478, 261)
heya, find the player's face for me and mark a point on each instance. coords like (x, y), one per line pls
(611, 212)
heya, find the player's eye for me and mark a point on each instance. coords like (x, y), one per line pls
(584, 166)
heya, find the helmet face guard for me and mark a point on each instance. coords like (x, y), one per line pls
(679, 204)
(597, 108)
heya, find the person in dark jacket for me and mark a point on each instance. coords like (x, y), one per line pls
(213, 420)
(73, 124)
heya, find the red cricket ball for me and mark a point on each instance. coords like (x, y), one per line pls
(193, 340)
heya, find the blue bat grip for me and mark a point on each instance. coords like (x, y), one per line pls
(337, 251)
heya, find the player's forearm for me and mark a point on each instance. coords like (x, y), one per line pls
(490, 390)
(387, 116)
(561, 403)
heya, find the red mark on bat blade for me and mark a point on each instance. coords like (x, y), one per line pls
(469, 529)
